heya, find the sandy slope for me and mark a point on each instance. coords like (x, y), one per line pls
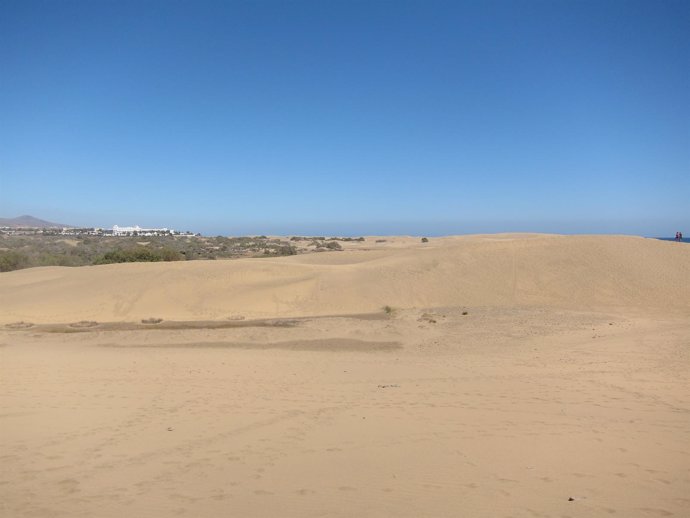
(565, 271)
(563, 392)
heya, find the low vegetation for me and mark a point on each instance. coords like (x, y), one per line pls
(12, 260)
(138, 255)
(322, 238)
(19, 325)
(333, 245)
(84, 323)
(27, 251)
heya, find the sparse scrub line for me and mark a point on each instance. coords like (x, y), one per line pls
(19, 252)
(323, 238)
(281, 250)
(322, 246)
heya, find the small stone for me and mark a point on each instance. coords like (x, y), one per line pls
(571, 499)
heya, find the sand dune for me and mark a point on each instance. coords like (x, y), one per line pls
(519, 376)
(581, 272)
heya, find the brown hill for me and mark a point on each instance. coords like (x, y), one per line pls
(29, 222)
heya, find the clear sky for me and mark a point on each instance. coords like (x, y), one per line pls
(348, 117)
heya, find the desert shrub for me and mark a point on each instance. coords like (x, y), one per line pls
(12, 260)
(388, 310)
(333, 245)
(57, 259)
(168, 254)
(425, 240)
(137, 255)
(286, 250)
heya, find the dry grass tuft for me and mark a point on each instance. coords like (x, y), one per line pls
(84, 323)
(19, 325)
(151, 320)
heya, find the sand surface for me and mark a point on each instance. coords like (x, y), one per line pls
(516, 375)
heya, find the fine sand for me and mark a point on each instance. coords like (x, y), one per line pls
(508, 376)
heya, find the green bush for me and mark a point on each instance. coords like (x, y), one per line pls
(286, 250)
(137, 255)
(11, 260)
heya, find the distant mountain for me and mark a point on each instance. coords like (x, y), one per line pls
(29, 221)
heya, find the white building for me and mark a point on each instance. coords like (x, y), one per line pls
(137, 230)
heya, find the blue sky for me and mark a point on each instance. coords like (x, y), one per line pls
(349, 117)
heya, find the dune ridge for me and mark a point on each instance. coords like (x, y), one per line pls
(579, 272)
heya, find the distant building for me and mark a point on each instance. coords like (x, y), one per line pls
(94, 231)
(138, 231)
(74, 231)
